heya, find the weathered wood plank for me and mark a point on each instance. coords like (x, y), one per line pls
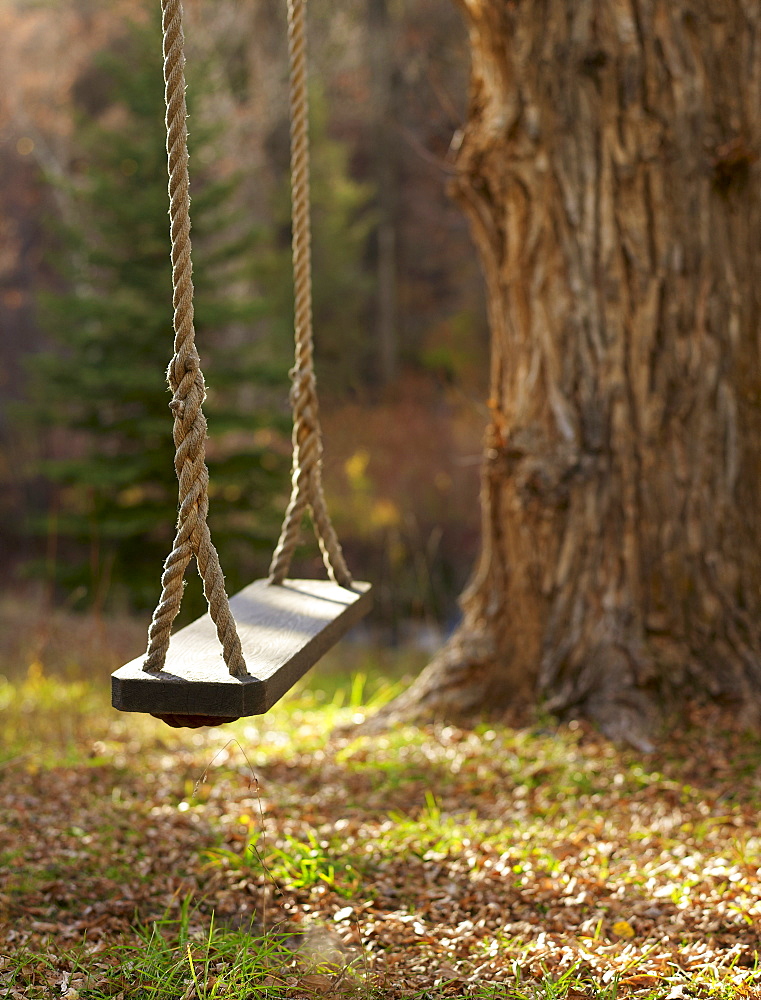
(284, 629)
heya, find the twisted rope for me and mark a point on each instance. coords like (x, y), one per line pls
(188, 391)
(306, 476)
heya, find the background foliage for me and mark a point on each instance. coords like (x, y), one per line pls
(88, 492)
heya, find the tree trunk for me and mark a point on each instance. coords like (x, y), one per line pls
(610, 172)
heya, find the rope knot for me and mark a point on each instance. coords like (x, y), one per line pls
(177, 406)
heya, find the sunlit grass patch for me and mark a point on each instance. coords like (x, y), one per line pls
(295, 863)
(46, 720)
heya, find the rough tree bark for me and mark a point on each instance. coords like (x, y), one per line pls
(610, 172)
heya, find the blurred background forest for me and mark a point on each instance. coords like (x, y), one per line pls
(87, 487)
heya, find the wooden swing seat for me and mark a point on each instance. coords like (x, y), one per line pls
(283, 628)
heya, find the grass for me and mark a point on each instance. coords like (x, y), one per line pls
(283, 858)
(167, 960)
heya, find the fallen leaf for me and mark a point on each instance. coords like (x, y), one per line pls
(623, 929)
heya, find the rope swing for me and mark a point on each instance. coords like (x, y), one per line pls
(274, 629)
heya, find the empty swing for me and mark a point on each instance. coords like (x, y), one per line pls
(275, 629)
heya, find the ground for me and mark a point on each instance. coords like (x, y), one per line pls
(283, 857)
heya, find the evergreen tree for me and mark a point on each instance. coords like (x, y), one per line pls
(101, 385)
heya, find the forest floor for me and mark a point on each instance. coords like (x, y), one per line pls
(290, 856)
